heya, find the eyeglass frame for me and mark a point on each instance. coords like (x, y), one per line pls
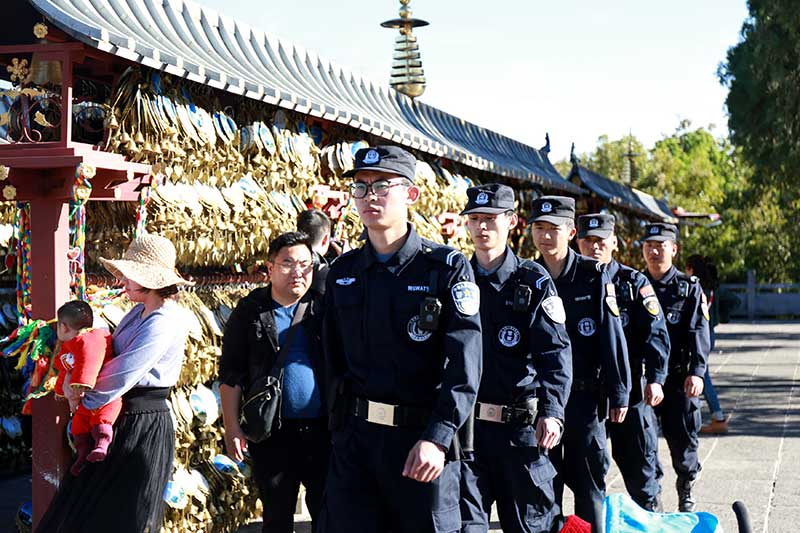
(370, 190)
(288, 268)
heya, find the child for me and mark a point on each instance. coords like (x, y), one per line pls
(83, 352)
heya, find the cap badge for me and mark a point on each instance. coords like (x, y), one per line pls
(547, 207)
(654, 230)
(482, 198)
(371, 157)
(593, 223)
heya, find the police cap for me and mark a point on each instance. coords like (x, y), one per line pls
(553, 209)
(491, 199)
(389, 159)
(659, 231)
(596, 225)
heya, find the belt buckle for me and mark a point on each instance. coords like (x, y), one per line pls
(490, 412)
(380, 413)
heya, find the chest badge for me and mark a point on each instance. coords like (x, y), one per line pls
(509, 336)
(586, 327)
(625, 319)
(68, 360)
(344, 282)
(673, 317)
(416, 333)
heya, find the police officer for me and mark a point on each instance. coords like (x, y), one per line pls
(634, 442)
(686, 310)
(526, 376)
(600, 371)
(403, 350)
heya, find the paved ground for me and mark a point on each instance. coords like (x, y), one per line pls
(755, 369)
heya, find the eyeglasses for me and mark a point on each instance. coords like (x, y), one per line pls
(359, 189)
(290, 266)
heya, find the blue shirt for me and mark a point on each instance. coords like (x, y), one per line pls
(301, 395)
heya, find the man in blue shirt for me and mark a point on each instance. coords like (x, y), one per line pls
(256, 332)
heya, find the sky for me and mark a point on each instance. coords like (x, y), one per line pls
(576, 69)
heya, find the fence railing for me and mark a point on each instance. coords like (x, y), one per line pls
(765, 300)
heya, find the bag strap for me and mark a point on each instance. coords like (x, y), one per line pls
(283, 349)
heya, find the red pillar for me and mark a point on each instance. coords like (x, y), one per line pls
(49, 289)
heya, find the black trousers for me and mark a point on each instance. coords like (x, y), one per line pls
(296, 453)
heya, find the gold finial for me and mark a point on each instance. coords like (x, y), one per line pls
(9, 192)
(407, 75)
(40, 30)
(18, 69)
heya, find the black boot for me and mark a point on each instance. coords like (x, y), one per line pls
(654, 505)
(686, 502)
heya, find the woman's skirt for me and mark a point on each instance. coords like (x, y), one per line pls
(124, 493)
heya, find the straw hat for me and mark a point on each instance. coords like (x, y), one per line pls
(149, 261)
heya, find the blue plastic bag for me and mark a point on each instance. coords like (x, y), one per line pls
(623, 515)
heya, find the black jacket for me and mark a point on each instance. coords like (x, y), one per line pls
(250, 344)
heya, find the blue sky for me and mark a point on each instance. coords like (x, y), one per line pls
(574, 68)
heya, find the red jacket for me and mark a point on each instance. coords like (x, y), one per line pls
(83, 356)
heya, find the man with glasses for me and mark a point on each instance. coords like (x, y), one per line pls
(686, 309)
(257, 332)
(402, 342)
(526, 377)
(634, 442)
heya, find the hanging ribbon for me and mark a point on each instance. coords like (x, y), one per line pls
(22, 231)
(81, 191)
(33, 346)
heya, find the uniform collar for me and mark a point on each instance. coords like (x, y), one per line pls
(612, 268)
(569, 266)
(499, 277)
(399, 260)
(668, 277)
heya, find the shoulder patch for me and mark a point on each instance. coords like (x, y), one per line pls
(611, 299)
(443, 254)
(647, 291)
(466, 297)
(554, 308)
(651, 305)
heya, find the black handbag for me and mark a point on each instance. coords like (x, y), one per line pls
(261, 410)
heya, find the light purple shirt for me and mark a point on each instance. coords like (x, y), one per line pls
(147, 353)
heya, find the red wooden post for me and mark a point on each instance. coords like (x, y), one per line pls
(49, 289)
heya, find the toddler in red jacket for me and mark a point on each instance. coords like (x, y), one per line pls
(82, 354)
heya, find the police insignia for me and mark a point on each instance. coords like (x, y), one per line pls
(344, 282)
(704, 306)
(372, 157)
(647, 291)
(467, 297)
(415, 332)
(651, 304)
(611, 302)
(482, 198)
(586, 327)
(625, 319)
(673, 317)
(508, 336)
(554, 308)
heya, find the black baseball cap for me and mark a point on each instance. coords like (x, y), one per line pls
(658, 231)
(553, 209)
(596, 225)
(491, 199)
(389, 159)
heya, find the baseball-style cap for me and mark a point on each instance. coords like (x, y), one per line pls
(389, 159)
(491, 199)
(658, 231)
(596, 225)
(553, 209)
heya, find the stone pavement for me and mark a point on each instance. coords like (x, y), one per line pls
(755, 368)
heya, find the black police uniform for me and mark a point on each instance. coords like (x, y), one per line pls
(634, 442)
(686, 311)
(401, 372)
(526, 375)
(600, 370)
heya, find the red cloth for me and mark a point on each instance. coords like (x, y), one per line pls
(576, 525)
(83, 357)
(84, 419)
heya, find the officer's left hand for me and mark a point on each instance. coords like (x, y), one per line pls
(425, 462)
(653, 394)
(693, 386)
(617, 414)
(548, 430)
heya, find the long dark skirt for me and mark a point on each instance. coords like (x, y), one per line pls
(124, 493)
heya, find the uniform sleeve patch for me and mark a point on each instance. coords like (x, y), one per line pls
(554, 308)
(466, 297)
(647, 291)
(652, 305)
(611, 302)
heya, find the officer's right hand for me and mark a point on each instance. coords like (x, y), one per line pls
(425, 462)
(548, 430)
(693, 386)
(653, 394)
(235, 442)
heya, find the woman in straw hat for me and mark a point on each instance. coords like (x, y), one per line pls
(125, 492)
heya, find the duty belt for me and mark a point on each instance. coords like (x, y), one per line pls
(524, 413)
(390, 415)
